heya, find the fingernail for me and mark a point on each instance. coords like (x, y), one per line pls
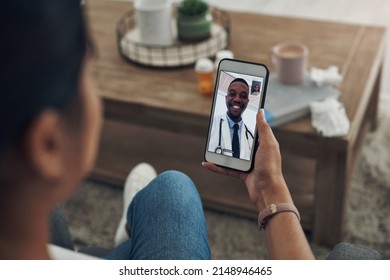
(262, 113)
(203, 163)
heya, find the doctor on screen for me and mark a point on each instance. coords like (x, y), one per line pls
(229, 134)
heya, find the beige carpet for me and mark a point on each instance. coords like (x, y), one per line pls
(94, 211)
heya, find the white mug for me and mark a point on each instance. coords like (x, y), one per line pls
(154, 20)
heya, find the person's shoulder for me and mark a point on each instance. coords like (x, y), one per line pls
(218, 117)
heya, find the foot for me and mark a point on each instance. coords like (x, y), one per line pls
(139, 177)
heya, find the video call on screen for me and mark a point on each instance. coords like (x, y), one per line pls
(219, 141)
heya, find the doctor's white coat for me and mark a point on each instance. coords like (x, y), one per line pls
(226, 141)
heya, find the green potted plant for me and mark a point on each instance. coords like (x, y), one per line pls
(193, 20)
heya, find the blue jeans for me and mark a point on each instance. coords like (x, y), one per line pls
(167, 222)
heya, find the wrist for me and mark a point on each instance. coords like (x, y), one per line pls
(273, 191)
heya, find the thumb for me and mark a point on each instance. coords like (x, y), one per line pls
(264, 130)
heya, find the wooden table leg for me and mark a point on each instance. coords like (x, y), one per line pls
(373, 105)
(330, 194)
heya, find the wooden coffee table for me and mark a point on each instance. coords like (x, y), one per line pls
(317, 169)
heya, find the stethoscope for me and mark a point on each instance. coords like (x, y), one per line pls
(218, 149)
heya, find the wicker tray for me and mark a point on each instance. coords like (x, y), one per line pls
(178, 54)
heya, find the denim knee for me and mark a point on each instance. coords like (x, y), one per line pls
(171, 190)
(177, 185)
(167, 220)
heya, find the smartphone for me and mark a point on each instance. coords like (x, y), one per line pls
(239, 93)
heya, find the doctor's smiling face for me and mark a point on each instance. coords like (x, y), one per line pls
(237, 99)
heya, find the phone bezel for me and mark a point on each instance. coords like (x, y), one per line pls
(241, 67)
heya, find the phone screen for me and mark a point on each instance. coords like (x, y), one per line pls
(238, 97)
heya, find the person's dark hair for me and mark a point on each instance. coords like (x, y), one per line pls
(239, 80)
(43, 46)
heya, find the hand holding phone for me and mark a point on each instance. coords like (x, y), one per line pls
(239, 93)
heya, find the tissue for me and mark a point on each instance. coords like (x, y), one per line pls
(329, 118)
(328, 76)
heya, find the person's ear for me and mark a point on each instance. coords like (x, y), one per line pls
(45, 145)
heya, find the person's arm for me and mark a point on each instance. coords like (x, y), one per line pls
(266, 185)
(284, 234)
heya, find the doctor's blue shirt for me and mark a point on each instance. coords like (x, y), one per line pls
(231, 123)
